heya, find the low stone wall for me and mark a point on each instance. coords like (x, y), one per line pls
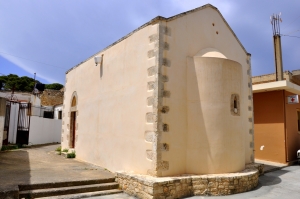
(258, 166)
(143, 186)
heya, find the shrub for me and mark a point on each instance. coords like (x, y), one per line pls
(9, 147)
(71, 155)
(58, 149)
(66, 150)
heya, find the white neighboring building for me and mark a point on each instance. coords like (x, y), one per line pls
(43, 128)
(58, 111)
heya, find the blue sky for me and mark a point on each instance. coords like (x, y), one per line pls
(49, 37)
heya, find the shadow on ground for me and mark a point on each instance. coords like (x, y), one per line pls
(15, 169)
(40, 164)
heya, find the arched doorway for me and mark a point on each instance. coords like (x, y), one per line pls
(73, 111)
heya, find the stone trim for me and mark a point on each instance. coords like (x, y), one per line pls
(150, 117)
(250, 108)
(166, 93)
(166, 46)
(250, 131)
(151, 71)
(149, 154)
(150, 136)
(164, 78)
(150, 86)
(150, 101)
(152, 53)
(165, 127)
(143, 186)
(156, 101)
(251, 145)
(165, 109)
(166, 62)
(153, 38)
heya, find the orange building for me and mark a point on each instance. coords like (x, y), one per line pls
(276, 117)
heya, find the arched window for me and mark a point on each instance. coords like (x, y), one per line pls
(73, 101)
(235, 105)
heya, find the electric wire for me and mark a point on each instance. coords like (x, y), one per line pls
(291, 36)
(32, 60)
(292, 22)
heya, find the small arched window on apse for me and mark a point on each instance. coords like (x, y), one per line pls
(235, 105)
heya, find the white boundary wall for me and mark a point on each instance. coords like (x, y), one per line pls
(13, 123)
(43, 130)
(2, 118)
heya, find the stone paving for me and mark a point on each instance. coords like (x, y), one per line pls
(41, 165)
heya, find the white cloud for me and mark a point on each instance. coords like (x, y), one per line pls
(31, 70)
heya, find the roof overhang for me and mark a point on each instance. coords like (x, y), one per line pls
(274, 86)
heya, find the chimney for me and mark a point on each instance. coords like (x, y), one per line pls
(275, 20)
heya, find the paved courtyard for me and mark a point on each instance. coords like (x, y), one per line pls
(41, 165)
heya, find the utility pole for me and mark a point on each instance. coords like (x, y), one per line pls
(275, 21)
(34, 89)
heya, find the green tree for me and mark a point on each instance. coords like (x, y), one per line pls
(54, 86)
(24, 83)
(20, 83)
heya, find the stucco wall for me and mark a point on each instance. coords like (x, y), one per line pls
(43, 130)
(131, 110)
(214, 131)
(269, 126)
(185, 37)
(112, 105)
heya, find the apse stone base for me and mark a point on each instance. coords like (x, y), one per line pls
(148, 187)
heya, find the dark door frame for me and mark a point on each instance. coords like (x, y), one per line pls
(73, 128)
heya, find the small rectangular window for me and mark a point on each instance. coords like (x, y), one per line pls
(59, 115)
(48, 114)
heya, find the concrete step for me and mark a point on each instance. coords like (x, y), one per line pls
(63, 184)
(67, 190)
(85, 195)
